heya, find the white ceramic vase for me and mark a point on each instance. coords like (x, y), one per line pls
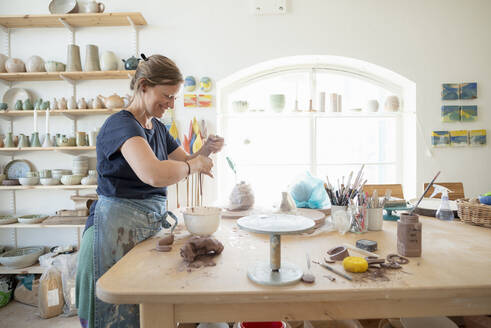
(372, 105)
(109, 61)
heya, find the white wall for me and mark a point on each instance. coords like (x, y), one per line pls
(428, 42)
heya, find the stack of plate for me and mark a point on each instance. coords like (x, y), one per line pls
(80, 165)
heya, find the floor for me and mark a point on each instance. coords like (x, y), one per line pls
(16, 314)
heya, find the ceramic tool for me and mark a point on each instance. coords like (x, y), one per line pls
(359, 250)
(330, 268)
(308, 276)
(276, 272)
(424, 193)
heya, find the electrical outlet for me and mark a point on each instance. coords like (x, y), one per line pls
(268, 7)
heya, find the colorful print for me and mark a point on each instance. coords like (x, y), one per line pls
(205, 84)
(450, 113)
(205, 101)
(468, 90)
(459, 138)
(189, 83)
(190, 100)
(477, 137)
(450, 91)
(468, 113)
(440, 139)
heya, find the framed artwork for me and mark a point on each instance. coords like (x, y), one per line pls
(450, 113)
(440, 138)
(477, 137)
(190, 100)
(459, 138)
(468, 90)
(205, 101)
(468, 113)
(450, 91)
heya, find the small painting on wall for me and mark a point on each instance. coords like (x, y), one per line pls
(450, 113)
(468, 90)
(204, 101)
(190, 100)
(459, 138)
(477, 137)
(450, 91)
(468, 113)
(440, 139)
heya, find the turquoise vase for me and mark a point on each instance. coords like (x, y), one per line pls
(35, 140)
(9, 141)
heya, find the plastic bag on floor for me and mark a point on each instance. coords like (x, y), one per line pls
(50, 300)
(67, 265)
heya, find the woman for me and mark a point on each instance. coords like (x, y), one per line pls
(137, 159)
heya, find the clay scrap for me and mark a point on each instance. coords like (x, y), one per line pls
(338, 253)
(199, 251)
(164, 244)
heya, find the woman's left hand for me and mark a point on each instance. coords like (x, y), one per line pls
(213, 144)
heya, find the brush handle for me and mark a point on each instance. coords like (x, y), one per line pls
(424, 193)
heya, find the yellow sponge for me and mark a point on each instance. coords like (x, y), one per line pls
(355, 264)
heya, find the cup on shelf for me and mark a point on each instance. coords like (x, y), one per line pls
(92, 58)
(81, 139)
(73, 58)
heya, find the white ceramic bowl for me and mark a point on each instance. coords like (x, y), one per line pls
(202, 221)
(21, 257)
(50, 181)
(71, 179)
(29, 181)
(31, 219)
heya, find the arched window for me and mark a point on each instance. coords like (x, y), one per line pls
(272, 144)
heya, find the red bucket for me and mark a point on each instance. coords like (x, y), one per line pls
(272, 324)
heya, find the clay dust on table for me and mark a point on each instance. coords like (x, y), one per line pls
(200, 251)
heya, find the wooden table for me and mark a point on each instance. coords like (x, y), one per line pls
(453, 277)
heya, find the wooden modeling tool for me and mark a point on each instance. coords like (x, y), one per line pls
(330, 268)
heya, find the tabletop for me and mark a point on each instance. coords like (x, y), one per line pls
(455, 263)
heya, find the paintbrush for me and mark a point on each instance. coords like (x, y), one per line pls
(424, 193)
(330, 268)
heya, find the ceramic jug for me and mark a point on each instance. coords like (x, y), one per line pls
(82, 104)
(72, 103)
(109, 61)
(9, 140)
(35, 64)
(131, 63)
(97, 103)
(35, 140)
(53, 104)
(18, 105)
(62, 103)
(23, 141)
(94, 7)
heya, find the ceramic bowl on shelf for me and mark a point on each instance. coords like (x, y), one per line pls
(202, 221)
(89, 180)
(63, 7)
(58, 173)
(21, 257)
(7, 219)
(10, 182)
(15, 65)
(32, 219)
(50, 181)
(70, 180)
(31, 181)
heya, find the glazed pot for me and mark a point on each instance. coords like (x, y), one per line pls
(131, 63)
(92, 58)
(73, 59)
(94, 7)
(3, 60)
(109, 61)
(54, 66)
(113, 101)
(391, 104)
(35, 64)
(15, 65)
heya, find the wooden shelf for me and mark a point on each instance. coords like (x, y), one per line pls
(71, 112)
(40, 225)
(74, 20)
(57, 187)
(85, 148)
(36, 268)
(57, 76)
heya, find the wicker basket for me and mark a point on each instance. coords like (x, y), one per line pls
(475, 213)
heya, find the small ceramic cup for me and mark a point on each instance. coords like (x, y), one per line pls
(32, 174)
(45, 174)
(81, 139)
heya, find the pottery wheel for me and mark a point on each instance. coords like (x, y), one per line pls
(275, 273)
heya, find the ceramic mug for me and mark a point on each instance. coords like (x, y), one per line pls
(81, 138)
(372, 105)
(94, 7)
(45, 174)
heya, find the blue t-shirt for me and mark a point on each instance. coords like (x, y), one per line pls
(115, 176)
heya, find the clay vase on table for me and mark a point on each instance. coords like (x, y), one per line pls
(73, 58)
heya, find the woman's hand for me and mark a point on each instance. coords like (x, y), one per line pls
(213, 144)
(201, 164)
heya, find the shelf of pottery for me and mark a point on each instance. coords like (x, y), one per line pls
(20, 174)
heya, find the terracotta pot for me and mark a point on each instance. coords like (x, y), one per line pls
(15, 65)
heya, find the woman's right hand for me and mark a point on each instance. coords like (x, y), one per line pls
(201, 164)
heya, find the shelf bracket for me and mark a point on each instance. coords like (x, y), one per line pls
(135, 36)
(70, 28)
(67, 79)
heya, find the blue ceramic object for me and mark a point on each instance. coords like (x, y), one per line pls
(189, 83)
(485, 200)
(131, 63)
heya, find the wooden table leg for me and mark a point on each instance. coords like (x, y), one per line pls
(157, 315)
